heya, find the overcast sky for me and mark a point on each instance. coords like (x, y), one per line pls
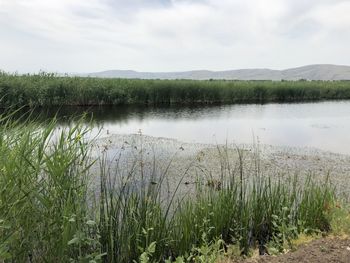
(171, 35)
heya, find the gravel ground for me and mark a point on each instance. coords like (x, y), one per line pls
(186, 163)
(325, 250)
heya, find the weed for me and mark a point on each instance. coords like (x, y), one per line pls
(46, 89)
(47, 213)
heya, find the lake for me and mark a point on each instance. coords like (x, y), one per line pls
(324, 125)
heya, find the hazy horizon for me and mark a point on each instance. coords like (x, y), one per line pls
(171, 35)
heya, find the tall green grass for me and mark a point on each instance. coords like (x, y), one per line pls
(249, 209)
(49, 90)
(43, 193)
(48, 212)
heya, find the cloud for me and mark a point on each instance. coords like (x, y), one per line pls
(167, 35)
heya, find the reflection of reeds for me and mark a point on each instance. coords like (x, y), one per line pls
(48, 90)
(47, 212)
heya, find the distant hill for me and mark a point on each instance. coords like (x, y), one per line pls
(311, 72)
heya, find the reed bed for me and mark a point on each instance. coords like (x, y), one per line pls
(49, 90)
(49, 213)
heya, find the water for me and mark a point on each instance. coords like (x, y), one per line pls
(324, 125)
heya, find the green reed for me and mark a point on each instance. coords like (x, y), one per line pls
(50, 212)
(43, 192)
(249, 209)
(49, 90)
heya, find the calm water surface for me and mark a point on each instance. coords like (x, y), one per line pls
(324, 125)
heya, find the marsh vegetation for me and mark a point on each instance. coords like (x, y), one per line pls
(47, 89)
(50, 211)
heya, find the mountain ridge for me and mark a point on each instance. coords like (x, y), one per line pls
(309, 72)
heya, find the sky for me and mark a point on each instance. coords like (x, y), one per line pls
(171, 35)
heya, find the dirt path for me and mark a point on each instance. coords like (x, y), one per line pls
(325, 250)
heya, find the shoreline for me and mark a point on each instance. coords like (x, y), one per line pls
(212, 161)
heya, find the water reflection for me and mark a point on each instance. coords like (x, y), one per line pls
(325, 125)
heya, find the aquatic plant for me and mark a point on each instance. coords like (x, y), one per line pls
(49, 211)
(49, 90)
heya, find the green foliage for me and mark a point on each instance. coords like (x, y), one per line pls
(208, 252)
(340, 220)
(249, 209)
(147, 253)
(45, 89)
(46, 213)
(43, 191)
(284, 232)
